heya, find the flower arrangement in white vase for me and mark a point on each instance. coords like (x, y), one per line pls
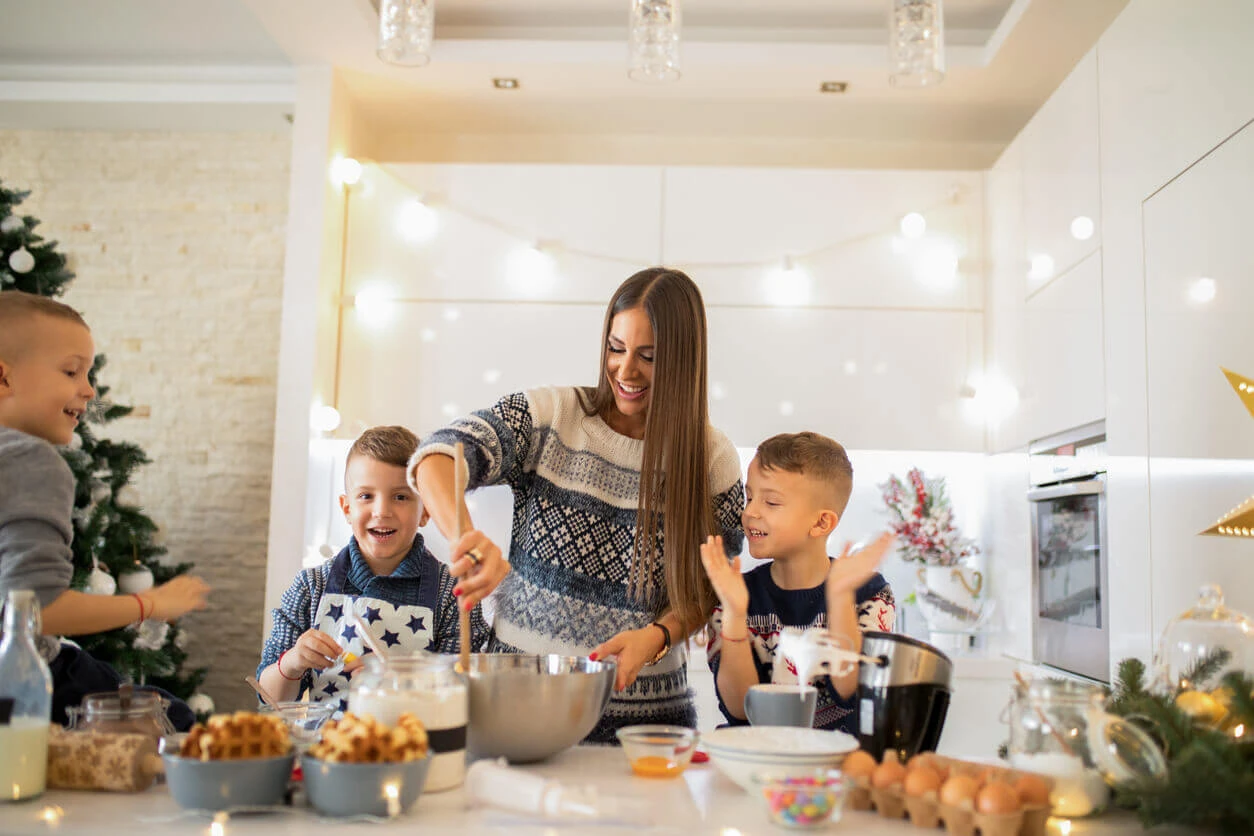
(948, 590)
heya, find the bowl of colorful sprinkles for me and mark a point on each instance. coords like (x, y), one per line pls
(802, 799)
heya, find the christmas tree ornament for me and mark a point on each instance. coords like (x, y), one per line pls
(99, 582)
(21, 261)
(151, 634)
(1202, 707)
(12, 224)
(1198, 647)
(1238, 522)
(99, 492)
(200, 704)
(137, 578)
(76, 442)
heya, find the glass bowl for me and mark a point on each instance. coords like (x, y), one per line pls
(802, 799)
(658, 751)
(304, 720)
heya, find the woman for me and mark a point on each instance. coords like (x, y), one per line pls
(603, 477)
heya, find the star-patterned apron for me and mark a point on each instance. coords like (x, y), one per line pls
(404, 628)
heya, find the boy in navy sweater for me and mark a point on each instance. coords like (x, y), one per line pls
(797, 488)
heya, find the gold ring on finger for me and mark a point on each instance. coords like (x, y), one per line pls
(474, 556)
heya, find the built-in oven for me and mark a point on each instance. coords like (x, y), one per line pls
(1071, 629)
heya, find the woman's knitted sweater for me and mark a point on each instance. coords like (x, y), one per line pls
(576, 486)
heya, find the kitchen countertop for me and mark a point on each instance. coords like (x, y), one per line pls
(702, 800)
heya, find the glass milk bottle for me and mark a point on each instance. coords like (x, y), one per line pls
(425, 685)
(25, 701)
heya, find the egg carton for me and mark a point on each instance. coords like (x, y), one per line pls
(926, 811)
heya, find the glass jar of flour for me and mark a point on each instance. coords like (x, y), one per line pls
(427, 686)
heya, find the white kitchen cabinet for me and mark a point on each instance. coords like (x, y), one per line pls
(1065, 385)
(1061, 185)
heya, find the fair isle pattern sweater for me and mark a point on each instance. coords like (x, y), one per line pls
(576, 488)
(772, 608)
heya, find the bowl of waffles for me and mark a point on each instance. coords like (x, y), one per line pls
(362, 767)
(230, 762)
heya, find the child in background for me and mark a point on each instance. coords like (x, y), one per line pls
(46, 353)
(385, 577)
(796, 491)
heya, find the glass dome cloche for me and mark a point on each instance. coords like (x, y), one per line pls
(1198, 647)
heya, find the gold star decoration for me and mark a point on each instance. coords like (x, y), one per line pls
(1239, 522)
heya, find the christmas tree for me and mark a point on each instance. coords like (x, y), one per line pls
(114, 540)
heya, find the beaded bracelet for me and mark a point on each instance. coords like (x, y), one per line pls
(140, 601)
(279, 665)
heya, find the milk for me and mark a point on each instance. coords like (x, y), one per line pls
(23, 758)
(1079, 790)
(440, 709)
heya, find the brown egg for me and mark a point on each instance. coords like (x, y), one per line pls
(858, 764)
(922, 779)
(931, 761)
(1032, 789)
(998, 798)
(888, 773)
(959, 791)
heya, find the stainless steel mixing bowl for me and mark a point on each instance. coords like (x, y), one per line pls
(527, 708)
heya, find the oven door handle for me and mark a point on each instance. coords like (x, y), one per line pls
(1087, 488)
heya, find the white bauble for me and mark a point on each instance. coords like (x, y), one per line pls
(76, 442)
(136, 579)
(100, 492)
(12, 224)
(21, 261)
(200, 704)
(100, 582)
(128, 496)
(151, 635)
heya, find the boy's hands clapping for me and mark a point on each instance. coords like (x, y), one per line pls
(725, 577)
(177, 596)
(850, 571)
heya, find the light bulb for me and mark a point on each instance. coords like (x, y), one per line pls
(374, 305)
(1202, 291)
(913, 225)
(1082, 228)
(787, 285)
(345, 171)
(416, 222)
(532, 271)
(324, 419)
(1041, 267)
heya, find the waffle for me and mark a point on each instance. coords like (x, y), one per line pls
(363, 739)
(237, 736)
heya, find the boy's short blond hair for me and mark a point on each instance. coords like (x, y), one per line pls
(390, 445)
(814, 456)
(19, 308)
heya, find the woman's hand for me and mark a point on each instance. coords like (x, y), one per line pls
(632, 648)
(725, 577)
(177, 596)
(478, 580)
(313, 650)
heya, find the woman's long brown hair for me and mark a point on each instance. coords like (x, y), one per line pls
(674, 471)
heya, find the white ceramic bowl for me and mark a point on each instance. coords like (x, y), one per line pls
(744, 751)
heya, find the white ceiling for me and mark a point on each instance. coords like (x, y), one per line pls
(751, 70)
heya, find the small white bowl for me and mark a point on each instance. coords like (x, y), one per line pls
(744, 751)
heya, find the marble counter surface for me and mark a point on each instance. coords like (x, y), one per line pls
(702, 800)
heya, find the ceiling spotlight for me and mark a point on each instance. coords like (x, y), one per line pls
(833, 86)
(345, 171)
(913, 225)
(1082, 228)
(505, 83)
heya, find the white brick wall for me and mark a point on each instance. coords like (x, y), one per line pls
(177, 240)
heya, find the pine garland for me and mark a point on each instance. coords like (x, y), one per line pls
(117, 534)
(1210, 779)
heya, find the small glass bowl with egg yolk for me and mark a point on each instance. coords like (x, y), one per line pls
(658, 751)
